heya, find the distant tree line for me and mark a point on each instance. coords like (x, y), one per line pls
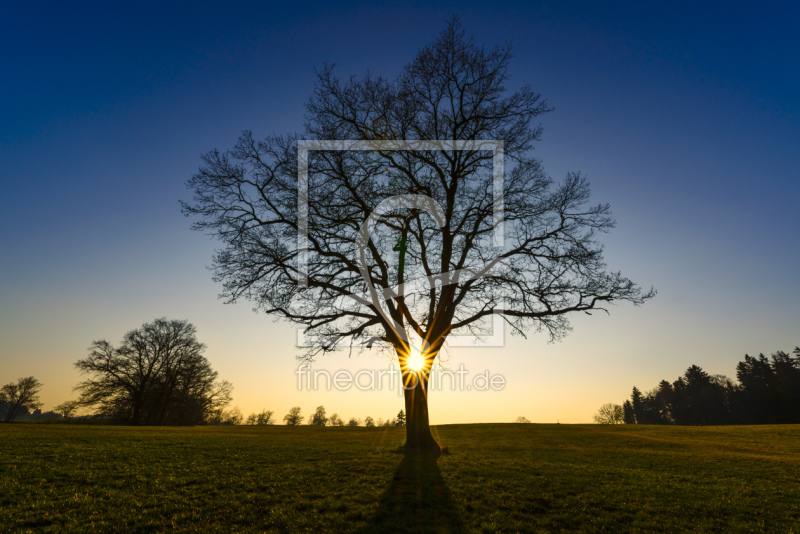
(767, 391)
(20, 401)
(320, 418)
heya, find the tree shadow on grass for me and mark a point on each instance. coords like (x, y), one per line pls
(417, 500)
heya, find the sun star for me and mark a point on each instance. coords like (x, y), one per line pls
(415, 362)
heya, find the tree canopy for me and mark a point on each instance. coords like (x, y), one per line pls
(435, 165)
(19, 397)
(157, 375)
(294, 417)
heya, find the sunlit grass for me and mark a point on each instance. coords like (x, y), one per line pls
(509, 478)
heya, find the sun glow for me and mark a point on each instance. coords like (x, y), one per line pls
(415, 362)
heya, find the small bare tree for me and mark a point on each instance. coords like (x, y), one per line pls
(265, 417)
(19, 396)
(223, 416)
(396, 240)
(610, 414)
(336, 420)
(293, 418)
(67, 408)
(319, 418)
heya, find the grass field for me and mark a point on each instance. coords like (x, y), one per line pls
(498, 478)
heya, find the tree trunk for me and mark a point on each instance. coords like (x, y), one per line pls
(13, 411)
(418, 430)
(136, 419)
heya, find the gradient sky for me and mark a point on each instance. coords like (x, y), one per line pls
(685, 118)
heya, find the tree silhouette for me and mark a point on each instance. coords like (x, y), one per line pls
(663, 402)
(67, 408)
(293, 418)
(786, 370)
(19, 397)
(158, 375)
(319, 418)
(608, 414)
(322, 254)
(627, 413)
(637, 402)
(336, 420)
(770, 388)
(768, 391)
(263, 418)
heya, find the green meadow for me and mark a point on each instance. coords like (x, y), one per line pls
(496, 478)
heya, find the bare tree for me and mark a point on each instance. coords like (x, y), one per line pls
(263, 418)
(222, 416)
(293, 418)
(19, 396)
(336, 420)
(610, 414)
(67, 408)
(158, 375)
(522, 419)
(369, 422)
(319, 418)
(233, 416)
(353, 422)
(399, 236)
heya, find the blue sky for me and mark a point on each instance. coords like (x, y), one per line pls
(685, 118)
